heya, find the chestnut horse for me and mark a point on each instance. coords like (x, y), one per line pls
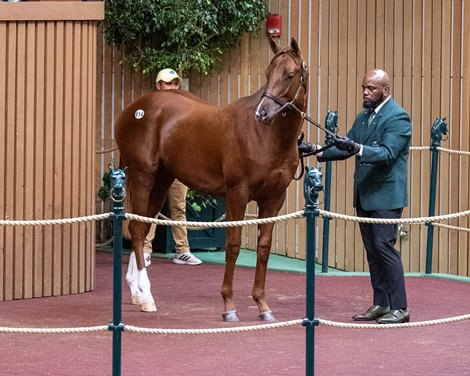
(245, 151)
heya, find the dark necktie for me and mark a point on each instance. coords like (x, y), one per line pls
(371, 117)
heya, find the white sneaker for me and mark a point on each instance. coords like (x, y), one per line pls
(186, 258)
(147, 259)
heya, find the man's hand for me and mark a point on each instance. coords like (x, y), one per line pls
(306, 148)
(344, 143)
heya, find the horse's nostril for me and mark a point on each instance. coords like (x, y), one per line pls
(262, 115)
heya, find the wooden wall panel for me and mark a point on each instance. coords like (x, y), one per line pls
(420, 43)
(47, 156)
(3, 145)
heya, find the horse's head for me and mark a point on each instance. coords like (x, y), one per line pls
(287, 83)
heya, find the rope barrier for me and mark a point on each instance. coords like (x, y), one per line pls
(218, 224)
(54, 330)
(135, 217)
(249, 328)
(422, 220)
(394, 326)
(450, 151)
(107, 242)
(55, 221)
(451, 227)
(417, 148)
(104, 151)
(201, 225)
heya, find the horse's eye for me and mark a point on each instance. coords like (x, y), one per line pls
(290, 76)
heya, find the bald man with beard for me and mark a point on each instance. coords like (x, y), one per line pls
(379, 140)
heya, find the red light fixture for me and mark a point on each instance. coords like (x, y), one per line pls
(274, 25)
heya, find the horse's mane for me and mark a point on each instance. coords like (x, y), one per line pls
(251, 101)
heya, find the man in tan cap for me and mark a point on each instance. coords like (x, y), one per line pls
(168, 79)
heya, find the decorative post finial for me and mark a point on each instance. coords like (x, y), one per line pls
(438, 129)
(118, 183)
(331, 123)
(313, 185)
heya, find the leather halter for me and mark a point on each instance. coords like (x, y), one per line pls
(288, 105)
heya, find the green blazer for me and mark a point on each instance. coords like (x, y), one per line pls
(381, 173)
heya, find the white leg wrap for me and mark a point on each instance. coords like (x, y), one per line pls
(148, 304)
(132, 278)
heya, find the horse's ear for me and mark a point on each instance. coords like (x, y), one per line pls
(295, 47)
(273, 45)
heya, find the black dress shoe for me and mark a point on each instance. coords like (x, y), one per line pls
(395, 316)
(373, 313)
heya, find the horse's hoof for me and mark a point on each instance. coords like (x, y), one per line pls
(136, 300)
(230, 316)
(267, 316)
(148, 307)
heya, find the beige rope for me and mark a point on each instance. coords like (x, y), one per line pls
(55, 221)
(418, 148)
(135, 329)
(422, 220)
(134, 217)
(195, 228)
(282, 324)
(450, 151)
(451, 227)
(101, 245)
(104, 151)
(54, 330)
(297, 214)
(394, 326)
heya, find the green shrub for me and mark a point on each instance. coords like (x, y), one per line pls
(183, 34)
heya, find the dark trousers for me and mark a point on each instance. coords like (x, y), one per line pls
(385, 265)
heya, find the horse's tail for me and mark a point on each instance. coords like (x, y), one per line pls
(127, 204)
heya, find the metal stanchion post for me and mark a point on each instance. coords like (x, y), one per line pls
(331, 123)
(118, 194)
(312, 186)
(438, 128)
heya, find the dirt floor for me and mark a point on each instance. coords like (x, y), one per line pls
(188, 297)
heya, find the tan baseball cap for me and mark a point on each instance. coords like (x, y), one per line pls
(167, 75)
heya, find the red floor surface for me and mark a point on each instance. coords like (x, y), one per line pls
(188, 297)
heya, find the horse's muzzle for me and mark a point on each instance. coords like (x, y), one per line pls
(262, 116)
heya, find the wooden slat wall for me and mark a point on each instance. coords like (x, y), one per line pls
(422, 44)
(47, 156)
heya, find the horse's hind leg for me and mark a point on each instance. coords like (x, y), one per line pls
(136, 276)
(161, 181)
(140, 187)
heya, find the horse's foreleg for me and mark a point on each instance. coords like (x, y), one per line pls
(259, 286)
(233, 243)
